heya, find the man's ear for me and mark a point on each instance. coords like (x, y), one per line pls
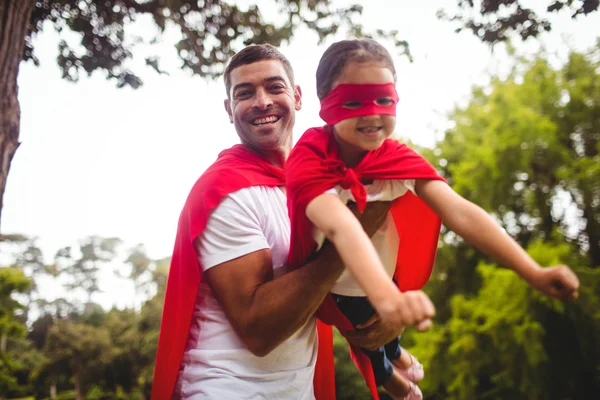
(297, 98)
(227, 105)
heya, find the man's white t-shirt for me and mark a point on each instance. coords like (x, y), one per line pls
(385, 240)
(216, 364)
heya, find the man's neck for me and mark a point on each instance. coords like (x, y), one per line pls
(277, 157)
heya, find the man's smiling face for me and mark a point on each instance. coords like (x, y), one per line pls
(262, 104)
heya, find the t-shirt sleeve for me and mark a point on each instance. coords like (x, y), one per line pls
(409, 184)
(232, 230)
(392, 189)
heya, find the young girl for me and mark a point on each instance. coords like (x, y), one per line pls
(329, 167)
(353, 159)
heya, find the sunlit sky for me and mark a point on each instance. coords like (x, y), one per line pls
(97, 160)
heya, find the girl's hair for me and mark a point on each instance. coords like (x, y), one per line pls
(340, 54)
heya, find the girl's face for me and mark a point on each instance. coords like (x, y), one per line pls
(367, 132)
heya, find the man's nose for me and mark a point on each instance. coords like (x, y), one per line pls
(262, 100)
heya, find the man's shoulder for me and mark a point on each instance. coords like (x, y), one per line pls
(236, 168)
(212, 182)
(214, 187)
(260, 195)
(224, 174)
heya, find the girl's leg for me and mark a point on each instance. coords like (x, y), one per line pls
(386, 375)
(358, 310)
(409, 366)
(400, 388)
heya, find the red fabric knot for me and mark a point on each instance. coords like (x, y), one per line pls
(349, 179)
(352, 182)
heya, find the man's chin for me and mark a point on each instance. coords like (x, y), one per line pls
(266, 142)
(266, 130)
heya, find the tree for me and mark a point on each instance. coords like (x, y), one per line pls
(82, 350)
(133, 351)
(141, 268)
(22, 252)
(99, 354)
(12, 280)
(509, 342)
(15, 16)
(525, 148)
(149, 324)
(211, 31)
(493, 21)
(82, 271)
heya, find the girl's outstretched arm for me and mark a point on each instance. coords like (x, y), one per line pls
(477, 227)
(329, 214)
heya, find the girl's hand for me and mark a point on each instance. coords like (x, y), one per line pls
(403, 309)
(559, 281)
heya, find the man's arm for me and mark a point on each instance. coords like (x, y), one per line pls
(265, 311)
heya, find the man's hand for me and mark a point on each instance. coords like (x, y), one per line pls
(375, 333)
(559, 281)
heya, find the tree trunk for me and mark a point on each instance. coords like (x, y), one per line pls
(14, 25)
(592, 229)
(77, 382)
(53, 389)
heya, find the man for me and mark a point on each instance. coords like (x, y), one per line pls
(244, 326)
(236, 323)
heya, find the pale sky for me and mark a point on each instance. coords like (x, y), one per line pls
(96, 160)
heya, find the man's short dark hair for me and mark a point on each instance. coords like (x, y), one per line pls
(255, 53)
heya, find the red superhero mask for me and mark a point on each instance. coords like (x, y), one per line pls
(358, 100)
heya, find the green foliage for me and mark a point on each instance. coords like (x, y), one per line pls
(12, 281)
(75, 352)
(80, 350)
(349, 383)
(508, 340)
(526, 149)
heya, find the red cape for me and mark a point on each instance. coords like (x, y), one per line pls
(236, 168)
(314, 167)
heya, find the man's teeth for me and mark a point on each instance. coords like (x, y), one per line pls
(265, 120)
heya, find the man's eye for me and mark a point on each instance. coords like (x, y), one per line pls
(243, 93)
(277, 88)
(384, 101)
(352, 104)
